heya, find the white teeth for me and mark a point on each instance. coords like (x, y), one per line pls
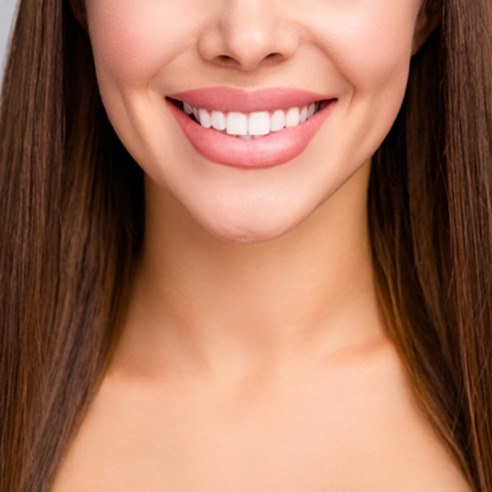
(278, 121)
(237, 124)
(293, 117)
(303, 114)
(218, 120)
(311, 110)
(257, 124)
(204, 117)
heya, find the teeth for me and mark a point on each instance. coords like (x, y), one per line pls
(204, 117)
(236, 124)
(303, 114)
(218, 120)
(278, 121)
(312, 109)
(293, 117)
(259, 123)
(252, 125)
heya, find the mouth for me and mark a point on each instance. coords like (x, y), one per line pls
(250, 129)
(253, 125)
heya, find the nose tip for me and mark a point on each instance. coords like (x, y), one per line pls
(248, 35)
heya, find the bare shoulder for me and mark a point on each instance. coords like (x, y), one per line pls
(351, 425)
(417, 457)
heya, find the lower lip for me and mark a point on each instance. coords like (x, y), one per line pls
(271, 150)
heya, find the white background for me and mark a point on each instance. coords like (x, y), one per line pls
(7, 8)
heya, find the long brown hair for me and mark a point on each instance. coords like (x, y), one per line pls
(72, 224)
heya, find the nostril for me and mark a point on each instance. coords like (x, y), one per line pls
(228, 60)
(273, 58)
(225, 58)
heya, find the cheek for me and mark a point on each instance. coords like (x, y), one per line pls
(132, 40)
(369, 42)
(379, 57)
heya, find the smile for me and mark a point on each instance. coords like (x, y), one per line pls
(251, 125)
(249, 129)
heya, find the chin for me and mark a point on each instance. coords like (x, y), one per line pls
(249, 230)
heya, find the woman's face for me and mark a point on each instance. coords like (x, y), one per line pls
(258, 60)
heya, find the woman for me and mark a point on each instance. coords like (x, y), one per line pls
(247, 247)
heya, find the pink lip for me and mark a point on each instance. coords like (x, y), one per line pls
(271, 150)
(228, 99)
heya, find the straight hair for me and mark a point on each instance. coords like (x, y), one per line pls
(72, 224)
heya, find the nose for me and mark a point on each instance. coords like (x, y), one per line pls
(247, 34)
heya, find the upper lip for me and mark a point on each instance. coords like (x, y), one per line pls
(227, 99)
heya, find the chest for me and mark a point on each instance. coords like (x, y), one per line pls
(308, 436)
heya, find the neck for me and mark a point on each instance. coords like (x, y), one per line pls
(214, 305)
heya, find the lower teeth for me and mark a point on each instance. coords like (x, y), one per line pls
(249, 137)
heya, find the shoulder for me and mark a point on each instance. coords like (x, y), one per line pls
(416, 455)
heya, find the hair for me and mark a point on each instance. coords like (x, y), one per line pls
(72, 224)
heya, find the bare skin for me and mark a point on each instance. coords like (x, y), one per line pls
(234, 373)
(303, 431)
(254, 356)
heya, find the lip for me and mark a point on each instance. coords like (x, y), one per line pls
(271, 150)
(228, 99)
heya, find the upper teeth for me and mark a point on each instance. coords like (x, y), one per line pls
(249, 125)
